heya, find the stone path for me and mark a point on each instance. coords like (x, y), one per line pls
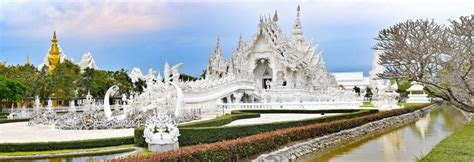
(20, 132)
(270, 118)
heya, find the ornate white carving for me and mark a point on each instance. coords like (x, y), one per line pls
(111, 91)
(161, 133)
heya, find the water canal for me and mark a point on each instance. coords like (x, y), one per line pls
(407, 143)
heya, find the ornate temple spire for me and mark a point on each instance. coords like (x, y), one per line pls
(275, 16)
(240, 43)
(218, 50)
(54, 53)
(27, 62)
(297, 31)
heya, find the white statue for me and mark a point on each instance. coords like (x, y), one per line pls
(72, 106)
(111, 91)
(179, 99)
(37, 104)
(387, 98)
(50, 104)
(166, 136)
(89, 101)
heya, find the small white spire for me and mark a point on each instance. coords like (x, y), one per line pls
(275, 16)
(218, 49)
(240, 43)
(297, 30)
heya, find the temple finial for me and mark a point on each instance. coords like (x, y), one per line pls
(54, 35)
(218, 50)
(297, 30)
(27, 59)
(275, 16)
(240, 43)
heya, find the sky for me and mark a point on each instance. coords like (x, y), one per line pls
(147, 33)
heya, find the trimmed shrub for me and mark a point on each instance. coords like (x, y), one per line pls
(242, 148)
(81, 144)
(2, 121)
(193, 134)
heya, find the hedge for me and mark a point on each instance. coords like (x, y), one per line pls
(80, 144)
(198, 135)
(243, 148)
(2, 121)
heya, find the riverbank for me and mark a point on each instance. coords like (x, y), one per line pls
(457, 147)
(327, 143)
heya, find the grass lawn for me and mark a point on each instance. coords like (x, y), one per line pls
(366, 104)
(457, 147)
(62, 151)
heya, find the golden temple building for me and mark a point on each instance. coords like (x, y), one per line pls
(54, 54)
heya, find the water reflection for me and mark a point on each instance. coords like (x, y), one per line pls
(392, 143)
(403, 144)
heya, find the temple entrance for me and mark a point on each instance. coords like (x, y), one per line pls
(263, 73)
(266, 83)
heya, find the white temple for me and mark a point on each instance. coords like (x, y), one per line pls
(136, 74)
(417, 94)
(349, 80)
(273, 60)
(271, 70)
(87, 61)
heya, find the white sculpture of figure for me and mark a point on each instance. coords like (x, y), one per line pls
(88, 102)
(267, 83)
(179, 99)
(72, 106)
(174, 72)
(166, 136)
(23, 114)
(37, 104)
(50, 104)
(111, 91)
(387, 98)
(124, 99)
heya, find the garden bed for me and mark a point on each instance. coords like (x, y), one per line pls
(245, 147)
(210, 131)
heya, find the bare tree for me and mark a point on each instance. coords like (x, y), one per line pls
(441, 58)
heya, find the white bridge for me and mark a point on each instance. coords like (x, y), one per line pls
(218, 92)
(210, 99)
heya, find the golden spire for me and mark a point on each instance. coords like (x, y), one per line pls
(54, 54)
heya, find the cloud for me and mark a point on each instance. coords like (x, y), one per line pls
(84, 18)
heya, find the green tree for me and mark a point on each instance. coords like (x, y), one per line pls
(186, 77)
(139, 86)
(122, 80)
(11, 90)
(65, 79)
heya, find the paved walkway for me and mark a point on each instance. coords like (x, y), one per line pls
(270, 118)
(20, 132)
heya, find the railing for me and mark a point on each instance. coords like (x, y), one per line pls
(217, 92)
(293, 105)
(218, 88)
